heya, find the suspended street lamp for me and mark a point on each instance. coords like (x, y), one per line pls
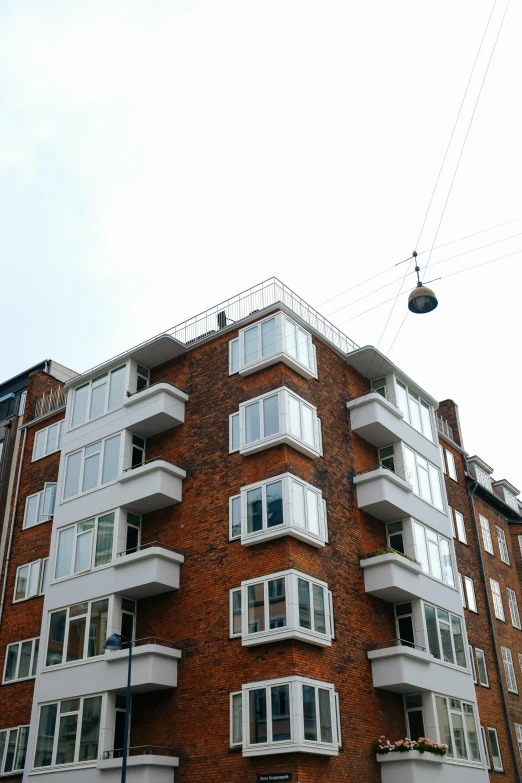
(422, 299)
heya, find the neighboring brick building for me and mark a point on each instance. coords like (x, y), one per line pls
(259, 504)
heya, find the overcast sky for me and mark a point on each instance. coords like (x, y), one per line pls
(159, 157)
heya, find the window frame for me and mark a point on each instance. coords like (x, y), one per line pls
(281, 352)
(106, 409)
(518, 735)
(485, 747)
(513, 608)
(470, 590)
(8, 730)
(494, 731)
(42, 573)
(483, 654)
(102, 441)
(235, 634)
(439, 635)
(46, 453)
(460, 526)
(472, 664)
(414, 526)
(487, 540)
(450, 709)
(416, 487)
(235, 695)
(92, 567)
(407, 414)
(502, 545)
(39, 506)
(231, 364)
(452, 466)
(32, 664)
(496, 595)
(509, 669)
(231, 505)
(79, 726)
(68, 619)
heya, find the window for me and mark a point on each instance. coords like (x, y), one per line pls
(276, 417)
(233, 356)
(132, 535)
(481, 665)
(518, 732)
(495, 750)
(234, 515)
(77, 632)
(452, 520)
(285, 605)
(233, 432)
(84, 546)
(20, 660)
(47, 441)
(497, 600)
(40, 506)
(283, 505)
(459, 524)
(502, 545)
(424, 478)
(483, 477)
(68, 732)
(414, 716)
(445, 638)
(100, 395)
(276, 338)
(294, 713)
(513, 608)
(485, 747)
(416, 411)
(379, 386)
(433, 553)
(128, 620)
(404, 624)
(91, 466)
(394, 534)
(486, 535)
(520, 543)
(236, 719)
(30, 579)
(142, 378)
(138, 451)
(470, 593)
(509, 670)
(387, 458)
(13, 749)
(472, 663)
(452, 470)
(442, 460)
(458, 728)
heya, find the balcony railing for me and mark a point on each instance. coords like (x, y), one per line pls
(444, 428)
(50, 402)
(138, 750)
(397, 643)
(146, 546)
(145, 462)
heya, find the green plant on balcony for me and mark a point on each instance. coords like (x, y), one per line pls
(390, 551)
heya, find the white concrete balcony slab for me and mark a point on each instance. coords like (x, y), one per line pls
(415, 767)
(395, 578)
(387, 496)
(151, 570)
(155, 409)
(406, 670)
(154, 666)
(381, 423)
(146, 764)
(155, 484)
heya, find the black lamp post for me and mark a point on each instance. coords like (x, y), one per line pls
(116, 642)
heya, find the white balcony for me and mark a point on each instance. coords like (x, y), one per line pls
(407, 670)
(144, 765)
(155, 484)
(388, 497)
(415, 767)
(396, 579)
(152, 570)
(154, 666)
(155, 409)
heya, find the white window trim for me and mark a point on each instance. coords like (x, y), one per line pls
(73, 764)
(119, 528)
(501, 768)
(41, 574)
(452, 468)
(496, 595)
(502, 545)
(418, 456)
(10, 773)
(40, 495)
(283, 435)
(297, 743)
(460, 529)
(230, 370)
(287, 527)
(487, 540)
(34, 639)
(468, 583)
(513, 608)
(472, 664)
(108, 373)
(439, 637)
(292, 629)
(231, 536)
(518, 734)
(231, 450)
(467, 762)
(440, 538)
(407, 416)
(231, 633)
(68, 664)
(509, 670)
(485, 747)
(98, 486)
(231, 708)
(452, 520)
(484, 684)
(58, 440)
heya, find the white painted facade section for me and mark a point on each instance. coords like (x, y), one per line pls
(415, 767)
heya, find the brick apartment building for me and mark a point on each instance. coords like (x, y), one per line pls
(259, 504)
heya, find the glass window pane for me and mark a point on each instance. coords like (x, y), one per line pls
(308, 425)
(280, 696)
(424, 479)
(35, 657)
(325, 715)
(34, 578)
(274, 504)
(434, 555)
(258, 720)
(21, 582)
(402, 400)
(445, 556)
(236, 516)
(411, 469)
(303, 351)
(256, 608)
(48, 502)
(458, 641)
(421, 551)
(110, 459)
(45, 736)
(10, 752)
(237, 718)
(270, 416)
(276, 603)
(66, 739)
(294, 410)
(21, 750)
(235, 432)
(481, 663)
(39, 443)
(81, 396)
(298, 504)
(309, 713)
(312, 511)
(415, 725)
(76, 639)
(444, 725)
(91, 472)
(56, 638)
(305, 613)
(72, 475)
(254, 510)
(98, 393)
(64, 554)
(117, 387)
(415, 416)
(495, 751)
(97, 627)
(471, 732)
(236, 612)
(52, 438)
(319, 612)
(426, 421)
(90, 732)
(290, 338)
(250, 342)
(431, 628)
(445, 638)
(10, 667)
(234, 356)
(24, 665)
(104, 538)
(435, 487)
(268, 337)
(252, 423)
(458, 733)
(31, 507)
(82, 559)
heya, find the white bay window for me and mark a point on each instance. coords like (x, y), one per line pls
(68, 732)
(445, 636)
(77, 632)
(433, 553)
(92, 466)
(416, 411)
(84, 546)
(424, 477)
(458, 729)
(98, 396)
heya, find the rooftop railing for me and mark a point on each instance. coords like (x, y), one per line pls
(444, 428)
(50, 402)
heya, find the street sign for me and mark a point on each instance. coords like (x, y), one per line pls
(274, 777)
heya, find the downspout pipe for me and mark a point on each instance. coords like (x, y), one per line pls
(512, 744)
(11, 531)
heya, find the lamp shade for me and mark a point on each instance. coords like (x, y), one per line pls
(113, 642)
(422, 300)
